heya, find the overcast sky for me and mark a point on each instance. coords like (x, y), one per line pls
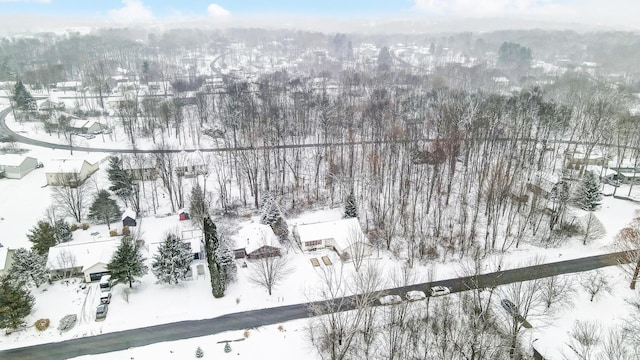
(616, 13)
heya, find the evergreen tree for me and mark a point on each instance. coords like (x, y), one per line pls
(22, 97)
(29, 266)
(62, 231)
(216, 270)
(172, 261)
(514, 55)
(588, 195)
(385, 61)
(121, 181)
(127, 263)
(43, 236)
(271, 215)
(197, 206)
(225, 257)
(227, 348)
(350, 210)
(199, 352)
(16, 302)
(104, 209)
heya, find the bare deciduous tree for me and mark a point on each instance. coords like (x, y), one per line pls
(628, 240)
(270, 271)
(594, 282)
(71, 195)
(585, 337)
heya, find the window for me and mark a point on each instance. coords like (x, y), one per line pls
(313, 243)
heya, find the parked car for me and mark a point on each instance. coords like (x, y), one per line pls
(510, 307)
(440, 290)
(40, 165)
(101, 312)
(390, 299)
(416, 295)
(105, 297)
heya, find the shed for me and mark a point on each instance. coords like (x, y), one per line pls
(183, 214)
(17, 166)
(129, 218)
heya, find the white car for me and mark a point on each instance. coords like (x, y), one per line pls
(390, 299)
(416, 295)
(440, 290)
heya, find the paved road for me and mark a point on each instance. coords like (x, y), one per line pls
(249, 319)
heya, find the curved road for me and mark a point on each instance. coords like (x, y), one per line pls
(250, 319)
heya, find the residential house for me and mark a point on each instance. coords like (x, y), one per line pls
(80, 126)
(69, 172)
(625, 175)
(68, 85)
(6, 259)
(13, 166)
(49, 104)
(193, 237)
(129, 218)
(344, 236)
(192, 164)
(88, 259)
(257, 241)
(142, 170)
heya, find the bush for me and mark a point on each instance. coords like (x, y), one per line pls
(67, 322)
(126, 231)
(74, 227)
(85, 226)
(280, 328)
(113, 233)
(246, 333)
(42, 324)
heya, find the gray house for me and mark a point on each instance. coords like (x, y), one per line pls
(14, 166)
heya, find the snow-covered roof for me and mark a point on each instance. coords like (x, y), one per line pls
(12, 159)
(255, 236)
(343, 232)
(84, 255)
(82, 124)
(66, 165)
(128, 213)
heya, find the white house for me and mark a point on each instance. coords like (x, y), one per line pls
(69, 172)
(6, 259)
(14, 166)
(87, 258)
(257, 241)
(344, 236)
(191, 164)
(85, 126)
(193, 237)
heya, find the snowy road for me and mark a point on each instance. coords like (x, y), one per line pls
(250, 319)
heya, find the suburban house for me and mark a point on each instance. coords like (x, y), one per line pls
(257, 241)
(625, 175)
(88, 258)
(14, 166)
(69, 172)
(344, 236)
(68, 86)
(192, 164)
(79, 126)
(579, 159)
(193, 237)
(142, 170)
(49, 104)
(6, 259)
(129, 218)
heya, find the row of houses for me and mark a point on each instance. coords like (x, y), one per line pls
(59, 172)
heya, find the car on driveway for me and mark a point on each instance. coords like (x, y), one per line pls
(390, 300)
(101, 312)
(105, 297)
(440, 290)
(510, 307)
(416, 295)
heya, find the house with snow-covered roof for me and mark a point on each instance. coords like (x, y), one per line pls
(344, 236)
(257, 241)
(6, 259)
(80, 126)
(13, 166)
(69, 172)
(88, 259)
(129, 218)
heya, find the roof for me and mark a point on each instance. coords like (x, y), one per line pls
(84, 255)
(128, 213)
(343, 232)
(255, 236)
(12, 159)
(66, 165)
(82, 124)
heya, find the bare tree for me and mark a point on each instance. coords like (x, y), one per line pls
(628, 241)
(358, 245)
(592, 228)
(71, 195)
(594, 282)
(585, 338)
(557, 291)
(270, 271)
(615, 346)
(66, 261)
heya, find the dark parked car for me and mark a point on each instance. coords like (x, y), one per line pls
(510, 307)
(101, 312)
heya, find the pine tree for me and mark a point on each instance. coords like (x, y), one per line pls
(121, 181)
(16, 302)
(43, 236)
(350, 210)
(271, 215)
(29, 266)
(197, 206)
(199, 352)
(227, 348)
(216, 270)
(22, 98)
(127, 263)
(225, 257)
(172, 261)
(588, 195)
(104, 209)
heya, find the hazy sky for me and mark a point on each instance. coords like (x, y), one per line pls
(620, 13)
